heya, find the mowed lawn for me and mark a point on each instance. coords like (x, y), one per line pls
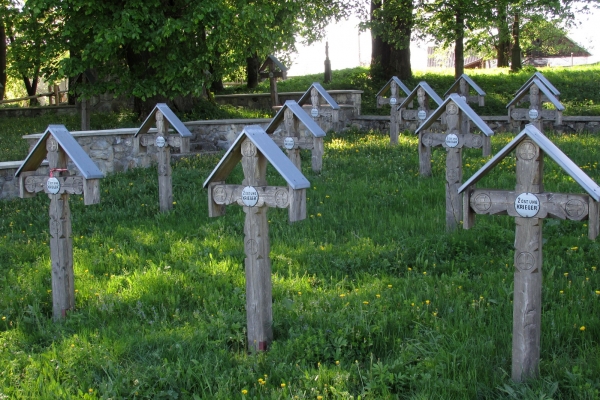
(371, 297)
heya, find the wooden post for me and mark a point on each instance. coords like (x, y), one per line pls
(394, 117)
(424, 151)
(327, 75)
(85, 112)
(165, 186)
(291, 127)
(259, 311)
(273, 86)
(61, 243)
(56, 95)
(535, 112)
(453, 169)
(527, 300)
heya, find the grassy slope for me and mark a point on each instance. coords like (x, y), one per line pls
(371, 297)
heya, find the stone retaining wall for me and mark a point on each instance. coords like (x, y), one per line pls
(499, 124)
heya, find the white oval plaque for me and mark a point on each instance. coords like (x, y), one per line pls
(533, 113)
(160, 141)
(314, 112)
(249, 196)
(451, 140)
(527, 205)
(288, 143)
(393, 100)
(422, 114)
(53, 185)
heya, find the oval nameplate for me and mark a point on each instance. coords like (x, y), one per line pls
(53, 185)
(160, 141)
(289, 143)
(451, 140)
(527, 205)
(393, 101)
(533, 114)
(422, 114)
(249, 196)
(314, 112)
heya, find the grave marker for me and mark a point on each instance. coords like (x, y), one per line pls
(323, 114)
(424, 95)
(291, 114)
(272, 69)
(454, 139)
(393, 100)
(535, 92)
(58, 146)
(462, 87)
(163, 116)
(254, 148)
(529, 204)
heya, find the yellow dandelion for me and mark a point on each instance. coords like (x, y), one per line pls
(90, 390)
(3, 318)
(582, 328)
(424, 272)
(365, 302)
(343, 295)
(283, 385)
(390, 286)
(574, 248)
(299, 293)
(337, 363)
(244, 392)
(318, 214)
(409, 268)
(561, 292)
(427, 302)
(598, 292)
(412, 304)
(321, 397)
(378, 295)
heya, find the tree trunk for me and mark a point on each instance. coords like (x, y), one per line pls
(459, 48)
(503, 44)
(31, 86)
(516, 63)
(387, 60)
(252, 66)
(2, 58)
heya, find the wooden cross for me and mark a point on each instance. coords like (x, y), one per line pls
(453, 140)
(536, 92)
(57, 145)
(256, 148)
(272, 68)
(291, 114)
(327, 116)
(530, 204)
(423, 93)
(393, 100)
(163, 143)
(462, 86)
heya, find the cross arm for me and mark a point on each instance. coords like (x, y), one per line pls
(148, 140)
(306, 143)
(270, 196)
(468, 140)
(32, 184)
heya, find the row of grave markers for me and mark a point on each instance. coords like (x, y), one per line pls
(254, 148)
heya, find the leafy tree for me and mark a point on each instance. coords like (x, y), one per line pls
(8, 11)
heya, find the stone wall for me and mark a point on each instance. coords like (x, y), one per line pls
(9, 185)
(499, 124)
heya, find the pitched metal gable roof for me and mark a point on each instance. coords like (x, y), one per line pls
(306, 96)
(302, 115)
(268, 148)
(549, 149)
(464, 107)
(174, 122)
(430, 92)
(471, 83)
(275, 61)
(542, 78)
(67, 142)
(525, 90)
(386, 87)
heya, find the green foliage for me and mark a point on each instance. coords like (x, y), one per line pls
(371, 297)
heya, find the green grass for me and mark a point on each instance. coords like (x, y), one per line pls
(371, 297)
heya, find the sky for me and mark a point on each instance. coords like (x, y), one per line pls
(350, 48)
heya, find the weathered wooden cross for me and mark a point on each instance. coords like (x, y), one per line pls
(424, 95)
(291, 114)
(58, 146)
(272, 68)
(163, 116)
(255, 148)
(462, 87)
(535, 92)
(529, 204)
(453, 140)
(393, 100)
(327, 115)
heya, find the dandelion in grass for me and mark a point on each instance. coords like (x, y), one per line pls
(409, 268)
(574, 248)
(299, 293)
(343, 295)
(566, 274)
(365, 302)
(582, 328)
(326, 196)
(427, 302)
(244, 392)
(594, 268)
(424, 272)
(390, 286)
(412, 304)
(90, 390)
(562, 292)
(598, 292)
(337, 363)
(318, 214)
(3, 318)
(282, 385)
